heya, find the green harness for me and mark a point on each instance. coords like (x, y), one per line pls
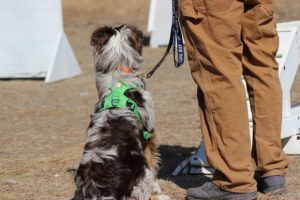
(117, 99)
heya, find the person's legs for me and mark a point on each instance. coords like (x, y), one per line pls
(212, 32)
(260, 40)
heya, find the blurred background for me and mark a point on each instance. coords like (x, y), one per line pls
(42, 126)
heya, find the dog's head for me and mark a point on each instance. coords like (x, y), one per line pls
(115, 47)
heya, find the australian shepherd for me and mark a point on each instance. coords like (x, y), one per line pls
(119, 160)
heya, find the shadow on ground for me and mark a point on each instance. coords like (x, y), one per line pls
(171, 156)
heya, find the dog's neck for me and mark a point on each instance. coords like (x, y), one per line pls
(125, 69)
(104, 81)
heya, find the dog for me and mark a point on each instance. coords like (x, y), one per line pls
(120, 156)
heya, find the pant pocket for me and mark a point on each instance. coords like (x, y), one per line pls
(266, 6)
(188, 10)
(190, 20)
(209, 6)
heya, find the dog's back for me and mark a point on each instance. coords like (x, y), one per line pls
(113, 158)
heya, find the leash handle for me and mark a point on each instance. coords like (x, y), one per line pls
(177, 36)
(175, 40)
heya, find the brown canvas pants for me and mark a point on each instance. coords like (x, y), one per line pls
(226, 39)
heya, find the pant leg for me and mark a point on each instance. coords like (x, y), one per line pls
(212, 32)
(261, 73)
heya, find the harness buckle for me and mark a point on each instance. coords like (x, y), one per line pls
(115, 101)
(130, 105)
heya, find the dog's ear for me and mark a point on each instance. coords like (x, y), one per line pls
(136, 38)
(100, 36)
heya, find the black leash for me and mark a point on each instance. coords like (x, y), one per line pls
(175, 40)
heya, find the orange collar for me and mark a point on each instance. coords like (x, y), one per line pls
(125, 69)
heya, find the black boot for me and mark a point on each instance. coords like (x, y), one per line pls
(211, 191)
(272, 185)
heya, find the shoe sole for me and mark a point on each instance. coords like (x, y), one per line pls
(278, 192)
(227, 198)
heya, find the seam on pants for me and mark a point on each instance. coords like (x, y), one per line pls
(211, 105)
(207, 102)
(252, 108)
(254, 103)
(254, 122)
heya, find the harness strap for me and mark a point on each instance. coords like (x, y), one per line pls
(117, 99)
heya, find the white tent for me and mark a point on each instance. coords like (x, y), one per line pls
(32, 41)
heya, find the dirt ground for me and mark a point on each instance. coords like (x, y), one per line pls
(42, 126)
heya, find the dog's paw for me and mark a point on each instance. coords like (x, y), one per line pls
(164, 197)
(160, 197)
(156, 188)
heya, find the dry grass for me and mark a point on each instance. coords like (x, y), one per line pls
(42, 126)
